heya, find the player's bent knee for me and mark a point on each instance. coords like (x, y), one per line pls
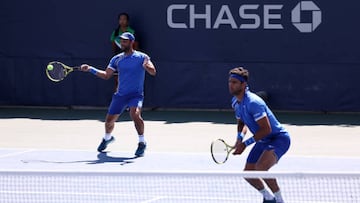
(135, 115)
(249, 167)
(109, 124)
(261, 167)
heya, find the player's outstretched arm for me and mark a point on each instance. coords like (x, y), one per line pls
(100, 73)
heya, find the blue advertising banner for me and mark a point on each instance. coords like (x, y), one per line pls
(304, 54)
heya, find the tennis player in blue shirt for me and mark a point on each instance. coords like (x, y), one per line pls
(131, 66)
(270, 139)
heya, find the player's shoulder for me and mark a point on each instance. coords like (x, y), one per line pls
(254, 97)
(253, 100)
(140, 54)
(117, 58)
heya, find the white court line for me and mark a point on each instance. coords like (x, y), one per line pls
(153, 199)
(65, 193)
(214, 198)
(134, 195)
(16, 153)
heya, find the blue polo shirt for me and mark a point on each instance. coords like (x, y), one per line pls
(131, 72)
(251, 109)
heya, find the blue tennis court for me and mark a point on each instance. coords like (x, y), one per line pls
(51, 157)
(72, 160)
(32, 175)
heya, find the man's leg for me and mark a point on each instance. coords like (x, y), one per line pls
(110, 122)
(258, 184)
(135, 114)
(116, 107)
(265, 162)
(270, 157)
(109, 127)
(260, 159)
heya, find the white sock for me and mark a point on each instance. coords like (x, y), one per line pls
(141, 138)
(107, 136)
(266, 194)
(278, 197)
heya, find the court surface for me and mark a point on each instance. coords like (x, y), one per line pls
(66, 140)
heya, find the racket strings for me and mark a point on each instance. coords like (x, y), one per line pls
(58, 72)
(219, 151)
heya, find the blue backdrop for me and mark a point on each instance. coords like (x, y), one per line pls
(303, 53)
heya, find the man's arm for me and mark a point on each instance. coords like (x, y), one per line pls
(241, 129)
(264, 130)
(149, 67)
(103, 74)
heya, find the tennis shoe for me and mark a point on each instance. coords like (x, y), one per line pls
(140, 151)
(104, 143)
(269, 201)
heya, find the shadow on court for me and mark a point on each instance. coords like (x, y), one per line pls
(105, 158)
(178, 116)
(102, 158)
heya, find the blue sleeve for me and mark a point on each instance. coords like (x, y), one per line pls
(233, 102)
(257, 110)
(235, 107)
(112, 64)
(145, 57)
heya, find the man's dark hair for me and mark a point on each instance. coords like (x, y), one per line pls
(240, 71)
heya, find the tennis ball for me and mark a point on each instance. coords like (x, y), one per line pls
(50, 67)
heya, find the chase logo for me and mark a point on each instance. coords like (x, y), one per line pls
(306, 6)
(247, 17)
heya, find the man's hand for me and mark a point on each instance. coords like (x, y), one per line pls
(84, 67)
(146, 61)
(239, 147)
(149, 67)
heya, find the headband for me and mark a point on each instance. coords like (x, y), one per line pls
(239, 77)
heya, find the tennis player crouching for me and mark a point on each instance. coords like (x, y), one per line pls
(131, 66)
(270, 138)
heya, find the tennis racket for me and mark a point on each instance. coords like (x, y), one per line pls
(220, 151)
(57, 71)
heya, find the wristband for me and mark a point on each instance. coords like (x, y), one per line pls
(93, 70)
(240, 135)
(249, 141)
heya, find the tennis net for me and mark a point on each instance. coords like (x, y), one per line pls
(165, 187)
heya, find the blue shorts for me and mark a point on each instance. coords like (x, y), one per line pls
(280, 144)
(120, 103)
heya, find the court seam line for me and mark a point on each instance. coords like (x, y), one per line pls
(180, 153)
(120, 195)
(154, 199)
(16, 153)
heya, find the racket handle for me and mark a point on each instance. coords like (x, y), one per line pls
(77, 68)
